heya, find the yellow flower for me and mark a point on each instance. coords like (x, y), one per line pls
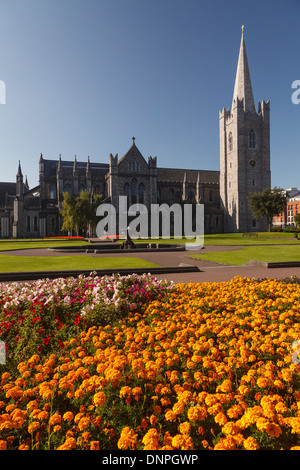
(197, 413)
(170, 415)
(3, 445)
(83, 423)
(225, 386)
(263, 382)
(182, 442)
(250, 443)
(231, 428)
(34, 426)
(184, 428)
(68, 416)
(220, 419)
(55, 419)
(99, 398)
(70, 444)
(94, 445)
(128, 439)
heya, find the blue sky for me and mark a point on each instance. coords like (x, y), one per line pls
(84, 76)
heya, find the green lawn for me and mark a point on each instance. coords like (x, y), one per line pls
(245, 254)
(233, 239)
(264, 238)
(11, 263)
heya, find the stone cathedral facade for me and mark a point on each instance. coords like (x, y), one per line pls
(244, 168)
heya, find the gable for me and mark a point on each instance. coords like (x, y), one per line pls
(133, 162)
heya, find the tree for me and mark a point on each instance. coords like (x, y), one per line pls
(268, 203)
(297, 220)
(68, 213)
(79, 213)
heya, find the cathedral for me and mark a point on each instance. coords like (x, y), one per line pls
(244, 168)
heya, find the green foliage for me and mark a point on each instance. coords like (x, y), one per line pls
(297, 220)
(267, 203)
(79, 213)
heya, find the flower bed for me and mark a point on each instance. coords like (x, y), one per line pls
(39, 317)
(206, 366)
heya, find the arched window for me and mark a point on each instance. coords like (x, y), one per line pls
(141, 193)
(68, 189)
(191, 198)
(52, 192)
(133, 191)
(230, 142)
(126, 190)
(253, 223)
(158, 195)
(252, 139)
(35, 223)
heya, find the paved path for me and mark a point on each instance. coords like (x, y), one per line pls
(209, 271)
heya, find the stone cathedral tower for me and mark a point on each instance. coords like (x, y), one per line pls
(244, 152)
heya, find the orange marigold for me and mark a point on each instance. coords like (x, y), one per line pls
(128, 439)
(250, 444)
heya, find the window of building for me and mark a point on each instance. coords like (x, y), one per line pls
(253, 223)
(35, 223)
(171, 196)
(133, 191)
(68, 189)
(252, 139)
(158, 195)
(52, 192)
(230, 142)
(141, 193)
(126, 189)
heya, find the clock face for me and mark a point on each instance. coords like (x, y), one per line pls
(252, 163)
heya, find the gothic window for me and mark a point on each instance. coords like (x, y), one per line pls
(126, 190)
(52, 192)
(171, 196)
(68, 189)
(141, 193)
(158, 195)
(133, 191)
(254, 223)
(252, 139)
(191, 197)
(210, 196)
(230, 142)
(28, 223)
(35, 223)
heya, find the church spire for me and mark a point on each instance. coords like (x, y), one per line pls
(242, 87)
